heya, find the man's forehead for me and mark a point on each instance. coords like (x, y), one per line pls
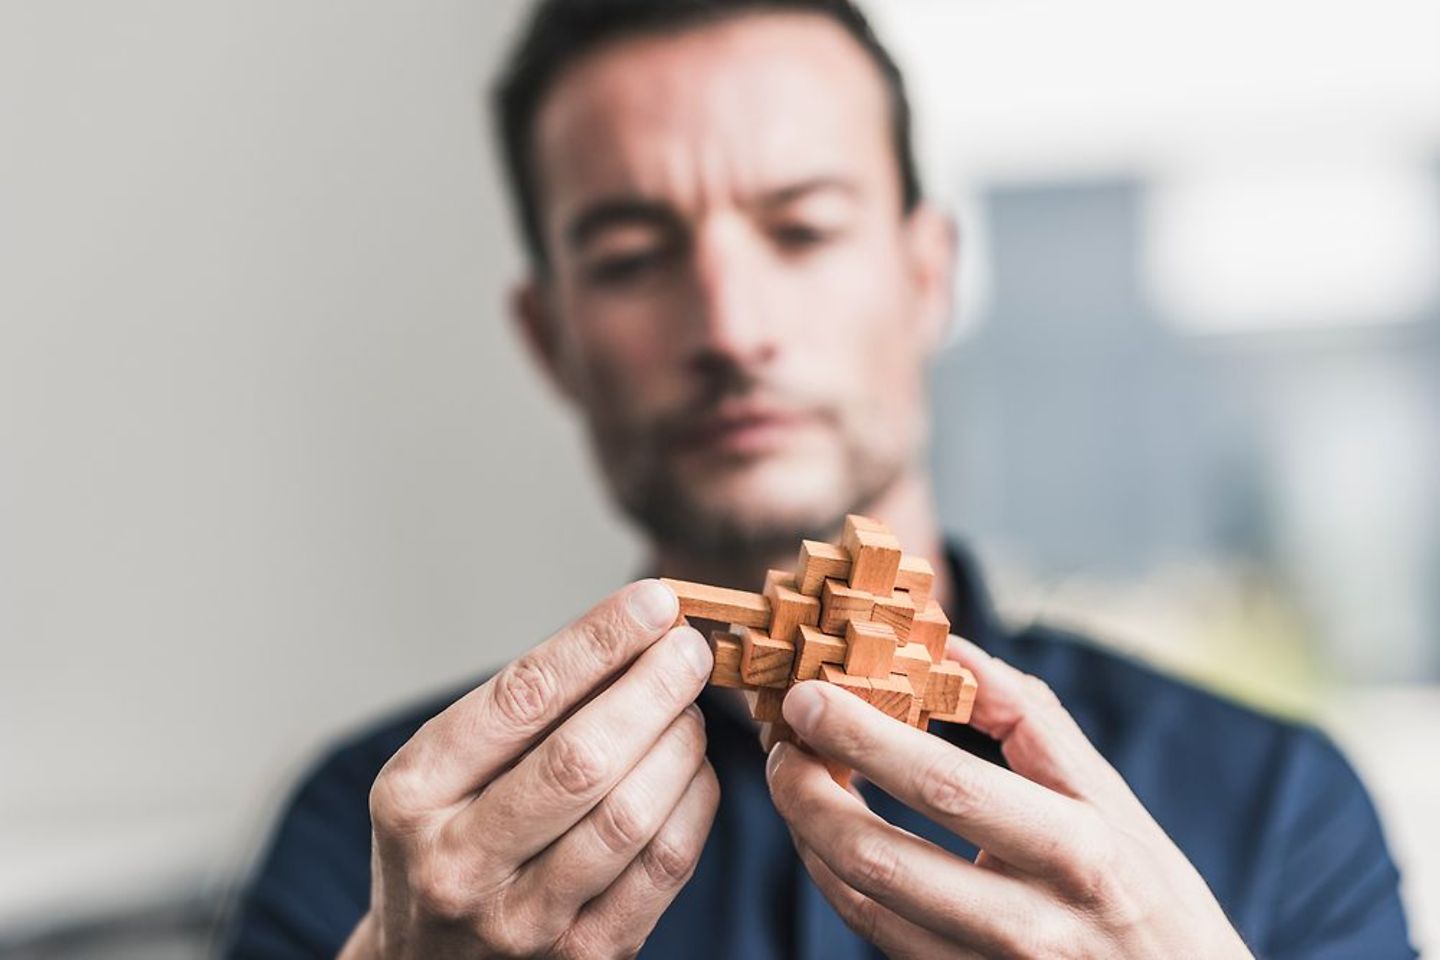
(746, 106)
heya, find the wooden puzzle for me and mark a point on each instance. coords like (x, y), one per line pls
(857, 614)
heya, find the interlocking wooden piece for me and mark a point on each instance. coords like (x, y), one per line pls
(818, 562)
(776, 731)
(893, 695)
(965, 702)
(789, 608)
(765, 703)
(874, 555)
(917, 578)
(839, 604)
(764, 661)
(860, 686)
(931, 627)
(914, 661)
(944, 687)
(869, 649)
(896, 610)
(813, 649)
(725, 646)
(721, 603)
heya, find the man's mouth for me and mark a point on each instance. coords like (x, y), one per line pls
(742, 432)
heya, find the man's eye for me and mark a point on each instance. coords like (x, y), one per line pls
(623, 268)
(799, 236)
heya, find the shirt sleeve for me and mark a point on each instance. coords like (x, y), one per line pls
(1336, 889)
(312, 885)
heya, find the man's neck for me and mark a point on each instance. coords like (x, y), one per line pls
(907, 506)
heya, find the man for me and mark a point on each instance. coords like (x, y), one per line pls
(737, 283)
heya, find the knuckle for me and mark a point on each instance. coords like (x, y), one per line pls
(605, 637)
(668, 861)
(945, 786)
(396, 803)
(622, 823)
(1040, 692)
(862, 915)
(871, 863)
(1086, 867)
(524, 691)
(574, 766)
(439, 894)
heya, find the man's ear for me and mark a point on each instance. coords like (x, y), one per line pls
(933, 243)
(531, 311)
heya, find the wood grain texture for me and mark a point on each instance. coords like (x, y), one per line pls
(913, 660)
(965, 702)
(765, 703)
(898, 611)
(789, 608)
(813, 649)
(818, 562)
(931, 627)
(917, 578)
(764, 661)
(725, 646)
(874, 557)
(860, 686)
(943, 688)
(839, 604)
(721, 603)
(869, 649)
(892, 695)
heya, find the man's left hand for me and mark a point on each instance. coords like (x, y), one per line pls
(1071, 863)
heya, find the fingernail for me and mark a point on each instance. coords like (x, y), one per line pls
(653, 604)
(802, 706)
(777, 757)
(695, 650)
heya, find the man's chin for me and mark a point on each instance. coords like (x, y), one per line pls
(768, 500)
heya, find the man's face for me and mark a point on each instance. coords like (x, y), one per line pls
(736, 301)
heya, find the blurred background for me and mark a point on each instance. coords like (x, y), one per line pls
(269, 452)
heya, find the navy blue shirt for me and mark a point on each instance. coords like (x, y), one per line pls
(1269, 813)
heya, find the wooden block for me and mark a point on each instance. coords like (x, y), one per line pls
(764, 661)
(965, 702)
(892, 695)
(726, 648)
(789, 608)
(765, 703)
(818, 562)
(874, 557)
(943, 688)
(840, 773)
(813, 649)
(913, 660)
(931, 627)
(776, 731)
(860, 686)
(896, 610)
(840, 604)
(721, 603)
(862, 522)
(869, 649)
(917, 578)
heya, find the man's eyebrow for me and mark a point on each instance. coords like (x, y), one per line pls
(615, 212)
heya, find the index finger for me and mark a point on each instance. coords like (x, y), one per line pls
(462, 748)
(1021, 822)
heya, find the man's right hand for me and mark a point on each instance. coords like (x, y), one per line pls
(558, 808)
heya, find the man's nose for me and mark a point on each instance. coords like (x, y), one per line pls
(731, 316)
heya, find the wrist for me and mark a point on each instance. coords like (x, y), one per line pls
(362, 944)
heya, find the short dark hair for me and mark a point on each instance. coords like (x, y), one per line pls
(560, 32)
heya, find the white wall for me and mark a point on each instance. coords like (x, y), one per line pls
(271, 459)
